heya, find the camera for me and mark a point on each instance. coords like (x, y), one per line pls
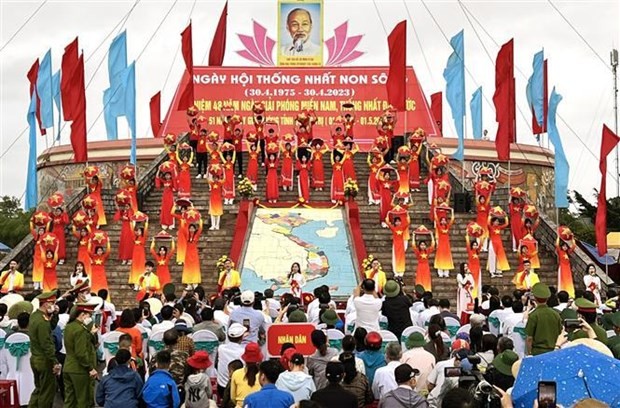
(572, 324)
(485, 395)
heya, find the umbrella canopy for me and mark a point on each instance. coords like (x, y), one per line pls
(580, 372)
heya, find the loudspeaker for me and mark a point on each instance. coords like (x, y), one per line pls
(462, 202)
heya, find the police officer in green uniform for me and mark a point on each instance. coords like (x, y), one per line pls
(80, 369)
(587, 310)
(43, 360)
(614, 342)
(543, 324)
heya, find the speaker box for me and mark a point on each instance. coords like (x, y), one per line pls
(462, 202)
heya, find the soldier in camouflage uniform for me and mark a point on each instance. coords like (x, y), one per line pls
(178, 360)
(43, 360)
(80, 370)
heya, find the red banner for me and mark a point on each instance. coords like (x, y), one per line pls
(287, 91)
(296, 333)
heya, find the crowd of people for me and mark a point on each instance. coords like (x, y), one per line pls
(391, 349)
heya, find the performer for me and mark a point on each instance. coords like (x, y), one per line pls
(296, 280)
(39, 224)
(375, 162)
(213, 148)
(183, 206)
(403, 159)
(387, 187)
(233, 133)
(376, 273)
(185, 157)
(138, 256)
(98, 255)
(216, 185)
(564, 246)
(348, 113)
(60, 220)
(528, 249)
(12, 280)
(348, 164)
(337, 182)
(148, 282)
(49, 252)
(202, 154)
(272, 190)
(318, 172)
(515, 209)
(593, 283)
(287, 155)
(258, 119)
(128, 183)
(123, 214)
(166, 179)
(399, 244)
(254, 152)
(338, 131)
(443, 257)
(238, 143)
(422, 251)
(170, 145)
(527, 278)
(79, 274)
(497, 261)
(472, 241)
(416, 141)
(162, 257)
(192, 114)
(441, 189)
(83, 236)
(95, 186)
(530, 222)
(228, 156)
(191, 267)
(229, 278)
(484, 189)
(465, 282)
(303, 177)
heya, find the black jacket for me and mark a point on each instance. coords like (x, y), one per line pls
(334, 396)
(396, 310)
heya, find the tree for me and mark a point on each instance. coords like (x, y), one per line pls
(582, 222)
(14, 222)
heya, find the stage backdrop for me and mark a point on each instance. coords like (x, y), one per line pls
(286, 92)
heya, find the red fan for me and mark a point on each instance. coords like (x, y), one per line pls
(123, 197)
(56, 200)
(49, 241)
(91, 171)
(128, 172)
(565, 233)
(530, 211)
(99, 238)
(139, 216)
(89, 202)
(474, 230)
(79, 218)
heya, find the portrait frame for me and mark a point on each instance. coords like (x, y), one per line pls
(312, 55)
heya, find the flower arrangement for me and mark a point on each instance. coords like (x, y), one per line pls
(351, 188)
(366, 262)
(245, 188)
(220, 262)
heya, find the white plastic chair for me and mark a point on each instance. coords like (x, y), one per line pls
(110, 345)
(349, 328)
(407, 332)
(207, 341)
(447, 340)
(146, 333)
(383, 322)
(464, 329)
(335, 338)
(495, 324)
(452, 325)
(15, 361)
(155, 343)
(2, 336)
(518, 337)
(387, 337)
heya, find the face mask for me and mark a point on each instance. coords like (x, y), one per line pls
(87, 320)
(50, 310)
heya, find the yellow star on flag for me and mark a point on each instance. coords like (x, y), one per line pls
(49, 240)
(99, 237)
(127, 171)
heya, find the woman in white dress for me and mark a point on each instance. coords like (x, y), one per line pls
(593, 283)
(296, 279)
(465, 281)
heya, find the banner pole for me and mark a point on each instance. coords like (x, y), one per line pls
(509, 184)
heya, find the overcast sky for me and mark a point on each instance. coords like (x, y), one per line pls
(580, 74)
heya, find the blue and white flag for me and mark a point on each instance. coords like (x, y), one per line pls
(454, 74)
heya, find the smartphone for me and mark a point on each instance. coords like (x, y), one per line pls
(452, 372)
(571, 324)
(547, 394)
(246, 324)
(97, 319)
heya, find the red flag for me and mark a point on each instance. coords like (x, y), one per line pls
(155, 106)
(610, 140)
(78, 126)
(397, 76)
(504, 100)
(437, 110)
(218, 46)
(68, 66)
(187, 96)
(536, 128)
(32, 76)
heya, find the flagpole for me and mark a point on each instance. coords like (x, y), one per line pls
(614, 66)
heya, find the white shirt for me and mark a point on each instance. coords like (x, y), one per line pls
(511, 321)
(73, 279)
(226, 353)
(384, 380)
(437, 377)
(368, 310)
(163, 326)
(309, 49)
(426, 315)
(111, 309)
(561, 307)
(221, 317)
(313, 315)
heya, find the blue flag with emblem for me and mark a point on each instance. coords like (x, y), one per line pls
(454, 74)
(561, 163)
(44, 90)
(113, 102)
(476, 113)
(31, 175)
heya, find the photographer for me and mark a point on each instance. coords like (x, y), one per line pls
(438, 383)
(499, 373)
(587, 310)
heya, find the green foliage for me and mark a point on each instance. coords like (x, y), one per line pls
(14, 222)
(582, 222)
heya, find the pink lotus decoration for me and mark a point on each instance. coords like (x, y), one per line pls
(340, 47)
